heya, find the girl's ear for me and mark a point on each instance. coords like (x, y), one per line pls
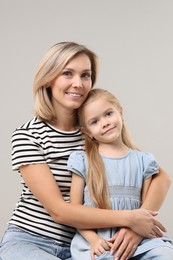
(84, 131)
(121, 113)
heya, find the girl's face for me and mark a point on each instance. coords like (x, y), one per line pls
(71, 87)
(103, 121)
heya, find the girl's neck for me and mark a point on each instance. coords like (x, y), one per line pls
(112, 150)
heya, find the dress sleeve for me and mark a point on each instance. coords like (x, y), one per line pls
(77, 163)
(150, 164)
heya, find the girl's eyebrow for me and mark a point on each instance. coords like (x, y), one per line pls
(91, 119)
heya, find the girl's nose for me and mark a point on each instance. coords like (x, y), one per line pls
(105, 123)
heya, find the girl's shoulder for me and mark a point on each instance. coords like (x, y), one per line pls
(143, 154)
(77, 163)
(147, 160)
(78, 155)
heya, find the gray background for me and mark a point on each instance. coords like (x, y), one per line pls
(134, 42)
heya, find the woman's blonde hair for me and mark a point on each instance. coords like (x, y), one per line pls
(96, 178)
(49, 68)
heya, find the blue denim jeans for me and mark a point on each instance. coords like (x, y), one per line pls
(159, 253)
(18, 244)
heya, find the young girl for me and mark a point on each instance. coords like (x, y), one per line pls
(41, 226)
(111, 174)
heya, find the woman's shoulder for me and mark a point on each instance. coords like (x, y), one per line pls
(31, 124)
(33, 129)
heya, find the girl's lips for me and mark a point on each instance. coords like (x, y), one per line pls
(108, 130)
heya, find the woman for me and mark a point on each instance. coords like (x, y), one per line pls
(41, 225)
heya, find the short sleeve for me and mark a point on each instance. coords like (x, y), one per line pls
(25, 149)
(77, 163)
(150, 164)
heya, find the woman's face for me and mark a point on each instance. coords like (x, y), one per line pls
(71, 87)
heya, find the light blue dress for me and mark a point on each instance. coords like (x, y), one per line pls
(125, 177)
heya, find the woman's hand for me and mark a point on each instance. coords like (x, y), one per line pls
(125, 242)
(99, 247)
(144, 223)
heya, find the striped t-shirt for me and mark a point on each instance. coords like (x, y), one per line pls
(38, 142)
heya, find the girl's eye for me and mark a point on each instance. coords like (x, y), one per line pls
(94, 122)
(109, 113)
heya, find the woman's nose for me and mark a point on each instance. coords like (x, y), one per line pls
(77, 82)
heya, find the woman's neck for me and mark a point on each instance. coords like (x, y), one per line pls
(66, 121)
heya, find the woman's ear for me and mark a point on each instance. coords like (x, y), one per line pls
(121, 111)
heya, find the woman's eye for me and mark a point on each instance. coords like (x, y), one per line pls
(86, 75)
(67, 73)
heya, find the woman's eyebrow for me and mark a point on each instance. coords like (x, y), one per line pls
(85, 70)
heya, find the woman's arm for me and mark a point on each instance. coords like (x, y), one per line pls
(159, 185)
(126, 240)
(145, 188)
(41, 182)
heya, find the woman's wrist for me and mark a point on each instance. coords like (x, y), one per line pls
(124, 218)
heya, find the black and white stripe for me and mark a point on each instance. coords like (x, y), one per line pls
(38, 142)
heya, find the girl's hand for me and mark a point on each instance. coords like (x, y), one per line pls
(125, 242)
(143, 223)
(99, 247)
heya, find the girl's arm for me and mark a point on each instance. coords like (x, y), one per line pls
(97, 244)
(76, 198)
(42, 184)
